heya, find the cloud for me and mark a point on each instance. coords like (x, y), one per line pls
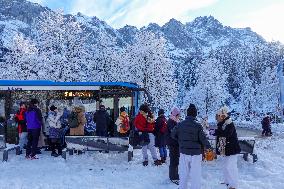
(267, 22)
(139, 13)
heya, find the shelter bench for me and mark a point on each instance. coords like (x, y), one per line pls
(97, 143)
(246, 145)
(6, 150)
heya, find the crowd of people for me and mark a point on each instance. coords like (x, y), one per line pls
(186, 140)
(35, 130)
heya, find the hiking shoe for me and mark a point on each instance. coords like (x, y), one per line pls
(34, 157)
(54, 154)
(157, 162)
(163, 160)
(145, 163)
(175, 182)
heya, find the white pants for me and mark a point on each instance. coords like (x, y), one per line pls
(151, 147)
(190, 166)
(23, 139)
(230, 170)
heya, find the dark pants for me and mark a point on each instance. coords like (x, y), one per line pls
(163, 152)
(101, 133)
(56, 144)
(174, 161)
(33, 136)
(266, 131)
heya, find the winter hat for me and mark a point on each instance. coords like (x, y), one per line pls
(22, 103)
(191, 110)
(175, 111)
(223, 111)
(34, 101)
(161, 112)
(145, 108)
(52, 108)
(122, 109)
(102, 107)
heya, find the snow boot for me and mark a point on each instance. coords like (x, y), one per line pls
(157, 162)
(175, 182)
(145, 163)
(54, 154)
(34, 157)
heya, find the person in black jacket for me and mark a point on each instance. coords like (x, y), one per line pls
(160, 132)
(173, 146)
(190, 136)
(227, 146)
(102, 120)
(266, 126)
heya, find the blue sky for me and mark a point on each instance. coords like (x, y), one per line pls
(265, 17)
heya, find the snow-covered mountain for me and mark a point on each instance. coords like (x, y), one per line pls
(243, 54)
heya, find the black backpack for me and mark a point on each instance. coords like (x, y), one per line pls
(73, 120)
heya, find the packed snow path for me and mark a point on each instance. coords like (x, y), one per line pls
(112, 171)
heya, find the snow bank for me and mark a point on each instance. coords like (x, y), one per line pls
(112, 171)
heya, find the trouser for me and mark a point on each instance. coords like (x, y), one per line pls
(101, 133)
(163, 152)
(23, 138)
(230, 170)
(190, 166)
(266, 131)
(151, 147)
(55, 144)
(33, 136)
(174, 161)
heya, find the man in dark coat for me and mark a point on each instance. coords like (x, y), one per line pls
(102, 120)
(228, 146)
(190, 136)
(160, 131)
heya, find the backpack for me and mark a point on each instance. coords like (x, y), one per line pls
(73, 120)
(125, 124)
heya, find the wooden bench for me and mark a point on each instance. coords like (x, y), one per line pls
(6, 149)
(97, 143)
(246, 145)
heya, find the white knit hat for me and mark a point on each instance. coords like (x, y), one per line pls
(223, 111)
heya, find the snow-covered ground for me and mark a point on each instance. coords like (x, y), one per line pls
(112, 171)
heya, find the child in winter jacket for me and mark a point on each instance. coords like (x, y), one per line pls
(160, 131)
(53, 120)
(122, 123)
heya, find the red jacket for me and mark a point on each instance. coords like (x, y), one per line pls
(142, 124)
(20, 119)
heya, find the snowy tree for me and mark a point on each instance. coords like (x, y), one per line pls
(107, 58)
(210, 91)
(268, 91)
(150, 67)
(62, 47)
(19, 60)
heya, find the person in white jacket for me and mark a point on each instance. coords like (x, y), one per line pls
(53, 120)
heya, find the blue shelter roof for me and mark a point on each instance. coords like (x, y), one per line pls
(55, 83)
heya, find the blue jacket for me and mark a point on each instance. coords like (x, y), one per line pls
(34, 118)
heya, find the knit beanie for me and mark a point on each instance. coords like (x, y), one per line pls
(175, 111)
(161, 111)
(192, 111)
